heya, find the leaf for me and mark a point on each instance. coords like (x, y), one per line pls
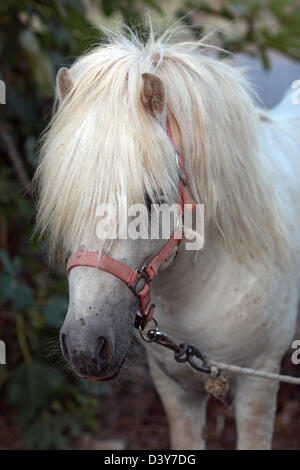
(23, 298)
(46, 432)
(7, 288)
(7, 264)
(55, 311)
(21, 105)
(42, 69)
(31, 386)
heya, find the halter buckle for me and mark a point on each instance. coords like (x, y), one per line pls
(141, 275)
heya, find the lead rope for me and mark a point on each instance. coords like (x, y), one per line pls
(255, 373)
(216, 384)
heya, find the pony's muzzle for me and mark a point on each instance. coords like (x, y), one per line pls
(90, 357)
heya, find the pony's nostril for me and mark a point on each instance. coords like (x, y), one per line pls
(102, 348)
(64, 347)
(103, 352)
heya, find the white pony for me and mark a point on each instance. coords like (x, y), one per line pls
(238, 300)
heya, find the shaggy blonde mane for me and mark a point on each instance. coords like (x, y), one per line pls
(101, 143)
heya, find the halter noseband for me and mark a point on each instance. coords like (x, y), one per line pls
(138, 280)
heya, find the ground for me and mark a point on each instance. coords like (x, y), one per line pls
(131, 416)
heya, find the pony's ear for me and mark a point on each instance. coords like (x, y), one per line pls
(153, 94)
(64, 83)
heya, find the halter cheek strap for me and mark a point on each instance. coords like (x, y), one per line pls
(138, 280)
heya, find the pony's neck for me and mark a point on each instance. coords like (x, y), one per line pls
(201, 279)
(176, 284)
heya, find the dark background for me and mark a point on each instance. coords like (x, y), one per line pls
(43, 405)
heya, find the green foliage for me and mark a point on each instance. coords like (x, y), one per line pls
(19, 293)
(51, 410)
(36, 38)
(55, 310)
(255, 26)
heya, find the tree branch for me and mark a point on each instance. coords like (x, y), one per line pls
(15, 159)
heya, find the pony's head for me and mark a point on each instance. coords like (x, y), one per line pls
(107, 143)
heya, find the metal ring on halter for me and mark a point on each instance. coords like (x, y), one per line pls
(141, 275)
(146, 338)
